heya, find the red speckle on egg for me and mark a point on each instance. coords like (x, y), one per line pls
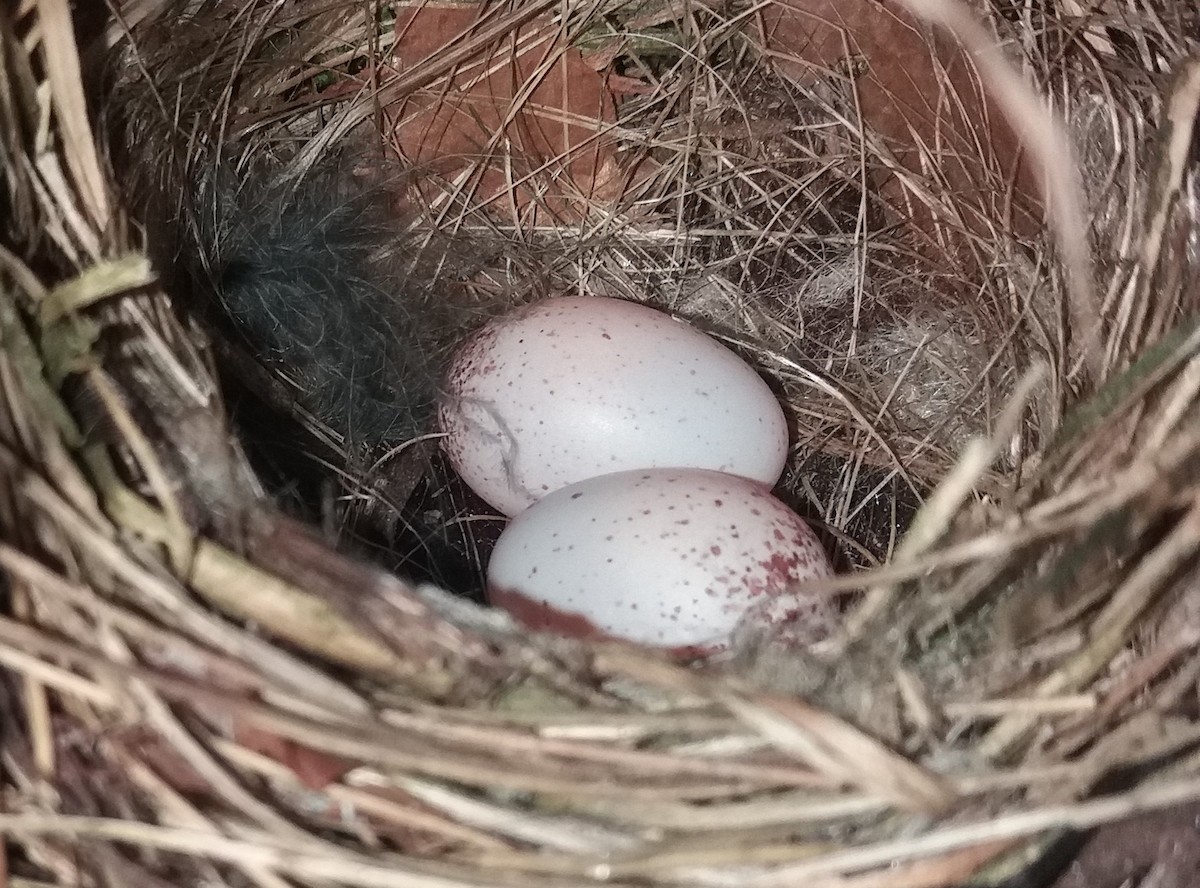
(639, 572)
(781, 567)
(570, 387)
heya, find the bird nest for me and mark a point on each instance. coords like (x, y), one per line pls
(962, 241)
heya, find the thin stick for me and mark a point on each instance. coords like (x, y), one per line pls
(1085, 815)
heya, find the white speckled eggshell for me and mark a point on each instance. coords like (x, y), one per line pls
(672, 558)
(572, 387)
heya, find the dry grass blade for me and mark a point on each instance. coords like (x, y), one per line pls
(1139, 320)
(1045, 138)
(944, 504)
(424, 74)
(557, 833)
(1112, 627)
(65, 80)
(1082, 816)
(287, 860)
(101, 281)
(845, 754)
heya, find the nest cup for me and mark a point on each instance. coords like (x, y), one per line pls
(960, 242)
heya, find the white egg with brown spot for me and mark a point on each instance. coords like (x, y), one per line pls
(671, 558)
(573, 387)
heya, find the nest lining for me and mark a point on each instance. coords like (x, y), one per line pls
(214, 694)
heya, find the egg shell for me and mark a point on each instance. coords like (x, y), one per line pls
(572, 387)
(671, 558)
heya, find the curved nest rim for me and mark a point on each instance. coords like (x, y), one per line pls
(379, 734)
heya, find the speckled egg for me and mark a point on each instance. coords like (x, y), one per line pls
(572, 387)
(672, 558)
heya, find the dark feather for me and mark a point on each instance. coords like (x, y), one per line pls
(312, 274)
